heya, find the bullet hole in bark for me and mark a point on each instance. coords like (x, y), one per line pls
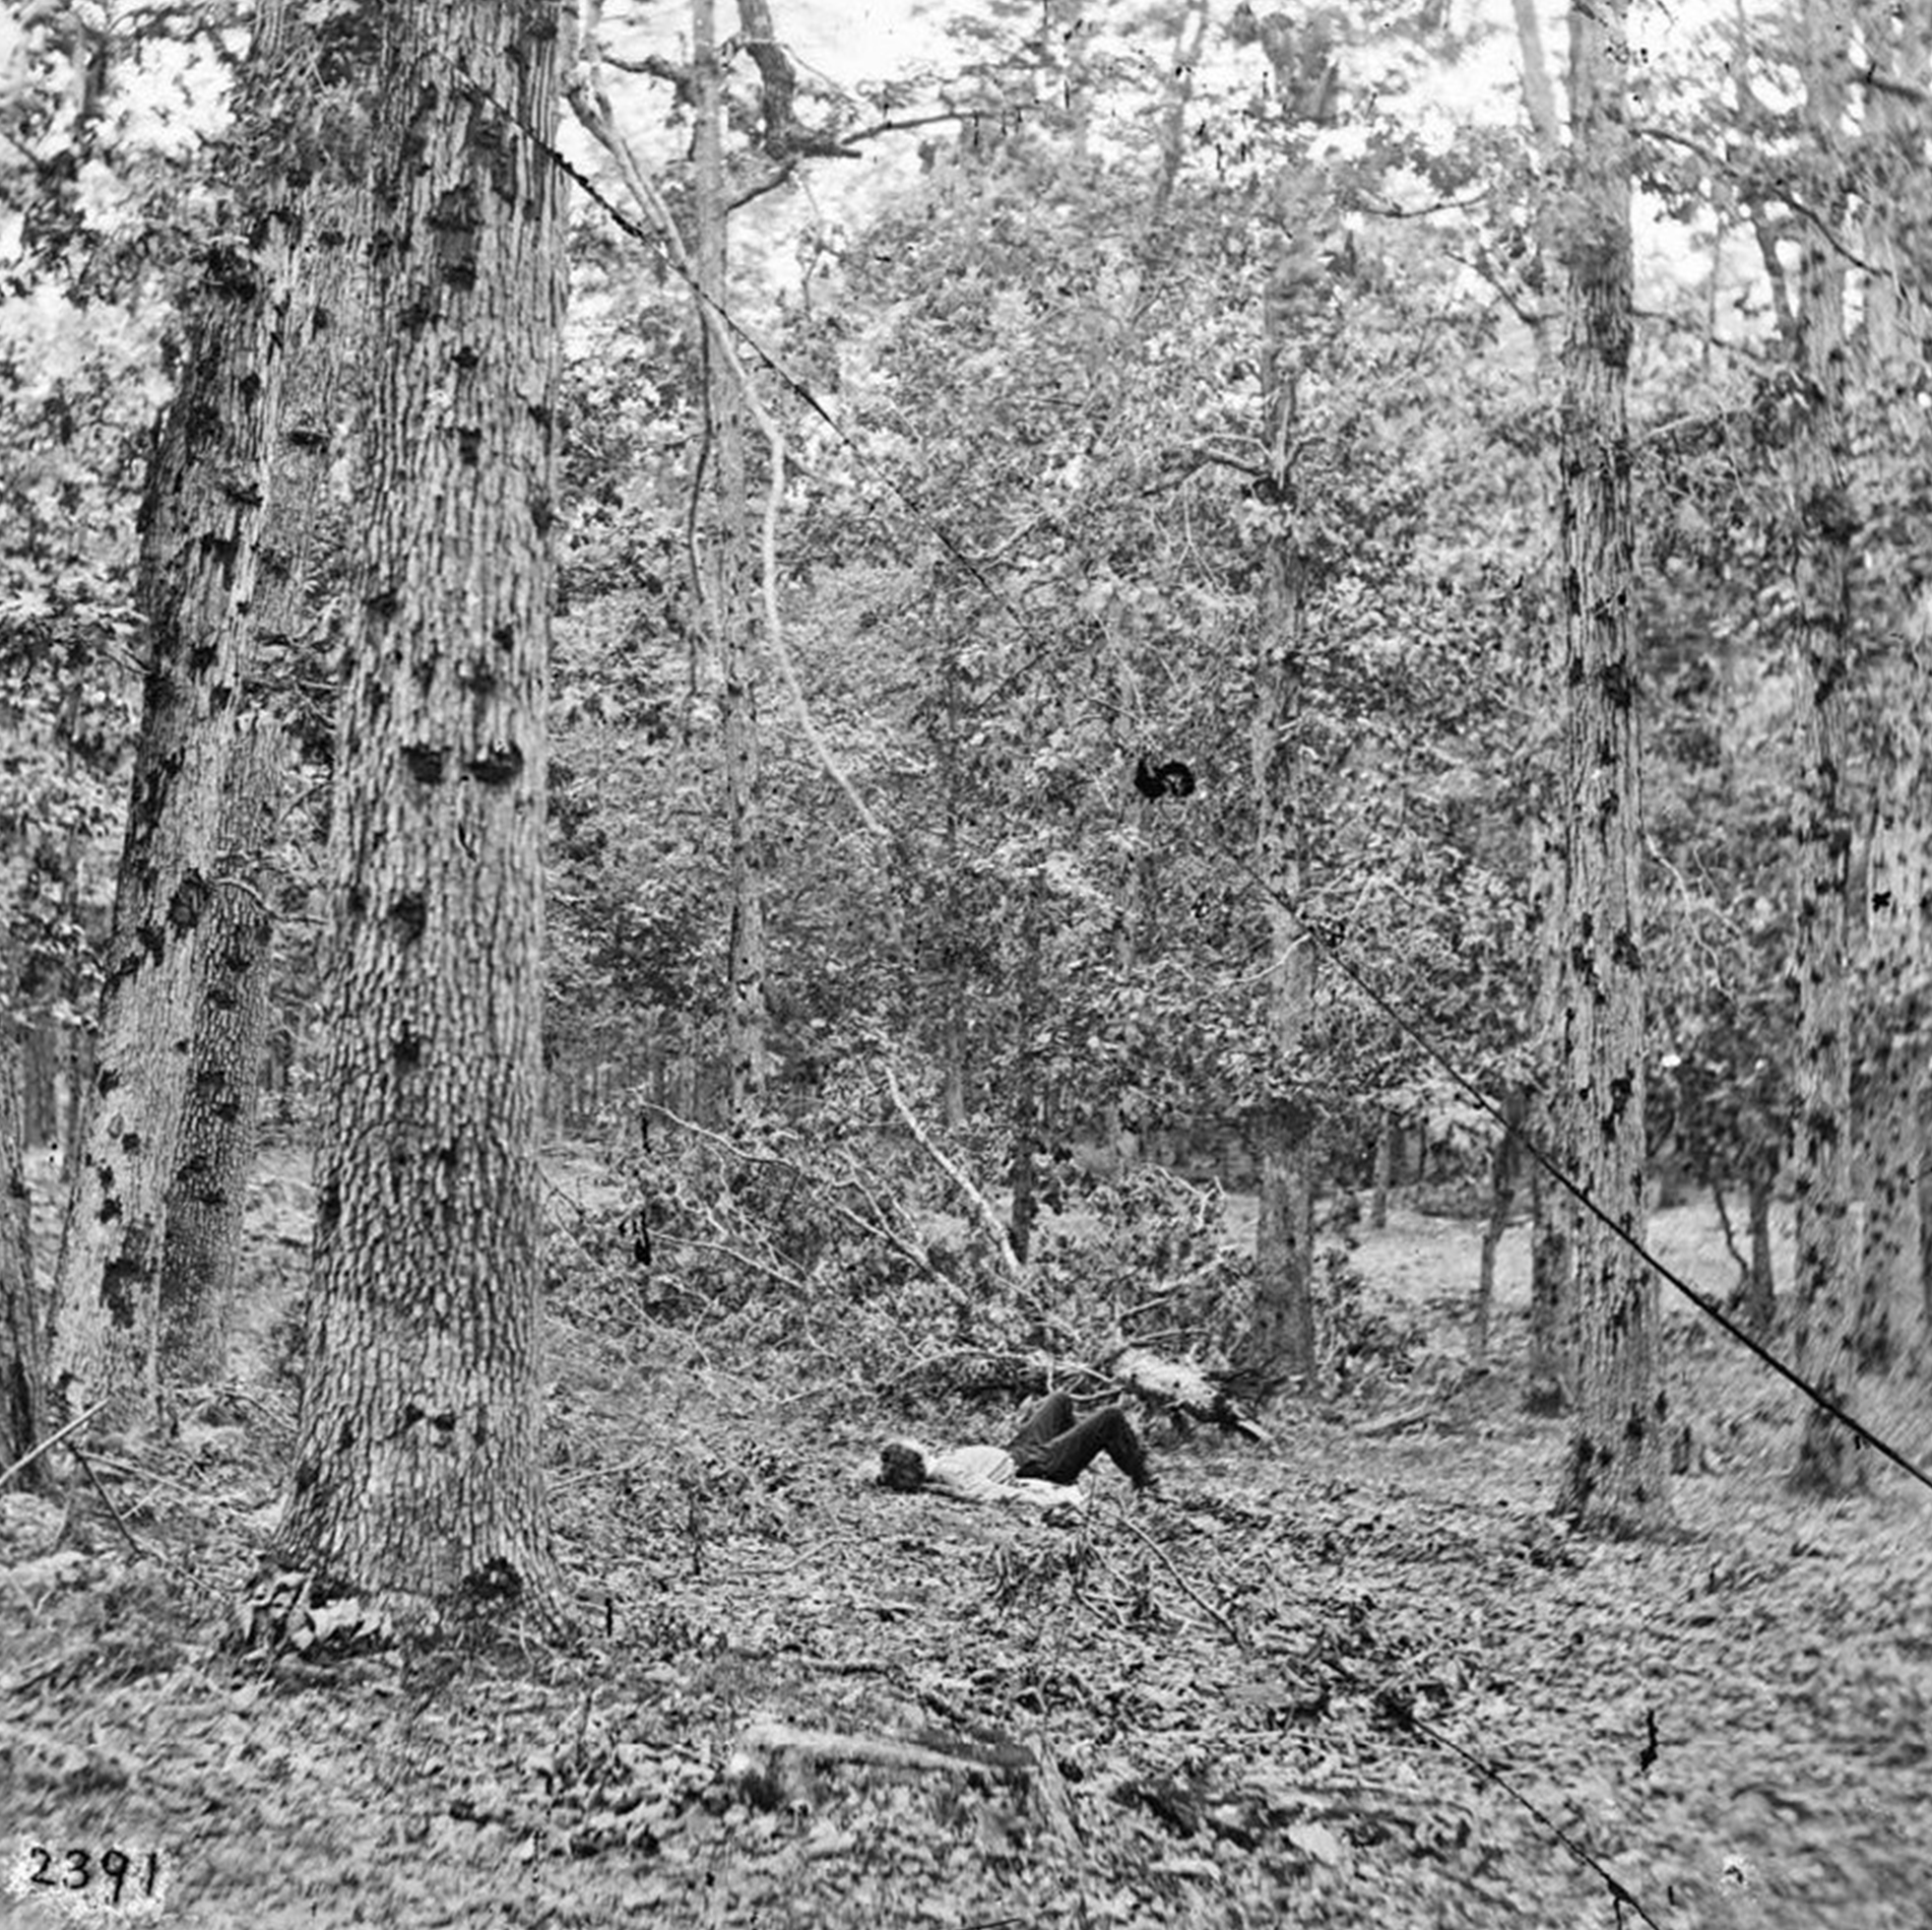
(406, 1051)
(469, 447)
(497, 1581)
(190, 900)
(497, 764)
(120, 1287)
(426, 762)
(409, 914)
(328, 1207)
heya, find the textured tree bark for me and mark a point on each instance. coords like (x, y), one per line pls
(731, 598)
(1505, 1161)
(1549, 1374)
(202, 1249)
(202, 529)
(1616, 1476)
(1825, 1265)
(1890, 1087)
(304, 560)
(40, 1102)
(415, 1473)
(22, 1365)
(1278, 1347)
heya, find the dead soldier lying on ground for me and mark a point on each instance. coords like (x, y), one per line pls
(1041, 1464)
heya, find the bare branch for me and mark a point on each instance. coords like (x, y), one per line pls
(991, 1223)
(592, 107)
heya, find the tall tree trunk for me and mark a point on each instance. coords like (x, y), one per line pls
(1505, 1159)
(1279, 1347)
(732, 596)
(22, 1365)
(415, 1469)
(202, 527)
(201, 1253)
(1889, 1089)
(1549, 1373)
(1617, 1474)
(1825, 1267)
(1385, 1163)
(1759, 1308)
(202, 1243)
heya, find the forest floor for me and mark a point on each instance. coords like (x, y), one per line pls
(1187, 1709)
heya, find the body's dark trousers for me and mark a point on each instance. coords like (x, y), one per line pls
(1053, 1446)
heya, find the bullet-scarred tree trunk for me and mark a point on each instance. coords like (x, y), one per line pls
(1829, 1256)
(202, 531)
(732, 596)
(1617, 1474)
(1278, 1348)
(416, 1473)
(202, 1251)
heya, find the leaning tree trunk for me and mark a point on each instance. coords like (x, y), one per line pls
(1616, 1476)
(416, 1468)
(1278, 1348)
(202, 1249)
(202, 528)
(1825, 1265)
(731, 598)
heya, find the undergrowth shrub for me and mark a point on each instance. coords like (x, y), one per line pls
(1362, 1347)
(1146, 1258)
